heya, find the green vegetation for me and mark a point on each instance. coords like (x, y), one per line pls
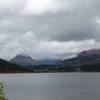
(2, 97)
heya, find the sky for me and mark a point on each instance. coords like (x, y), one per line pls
(48, 29)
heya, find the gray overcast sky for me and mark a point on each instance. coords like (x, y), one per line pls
(48, 28)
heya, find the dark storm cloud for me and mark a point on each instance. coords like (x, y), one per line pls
(76, 23)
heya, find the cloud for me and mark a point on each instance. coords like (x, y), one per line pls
(8, 7)
(44, 49)
(34, 7)
(31, 7)
(48, 28)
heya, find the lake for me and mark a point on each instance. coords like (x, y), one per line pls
(52, 86)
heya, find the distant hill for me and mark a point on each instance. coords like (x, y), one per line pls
(49, 61)
(89, 53)
(86, 60)
(24, 60)
(88, 56)
(7, 67)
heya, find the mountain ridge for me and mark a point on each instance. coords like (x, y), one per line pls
(87, 60)
(24, 60)
(6, 67)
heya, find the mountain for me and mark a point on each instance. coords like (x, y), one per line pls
(88, 56)
(86, 60)
(24, 60)
(49, 61)
(7, 67)
(88, 53)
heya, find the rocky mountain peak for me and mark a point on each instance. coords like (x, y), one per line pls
(24, 60)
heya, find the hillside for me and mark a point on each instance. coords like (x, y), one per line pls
(7, 67)
(24, 60)
(86, 60)
(89, 56)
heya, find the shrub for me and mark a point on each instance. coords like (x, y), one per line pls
(2, 97)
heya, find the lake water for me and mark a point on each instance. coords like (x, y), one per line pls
(52, 86)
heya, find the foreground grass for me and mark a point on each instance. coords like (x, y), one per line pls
(2, 97)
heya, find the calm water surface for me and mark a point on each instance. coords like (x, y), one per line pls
(52, 86)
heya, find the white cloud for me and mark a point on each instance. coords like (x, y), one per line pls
(42, 6)
(28, 44)
(11, 6)
(62, 50)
